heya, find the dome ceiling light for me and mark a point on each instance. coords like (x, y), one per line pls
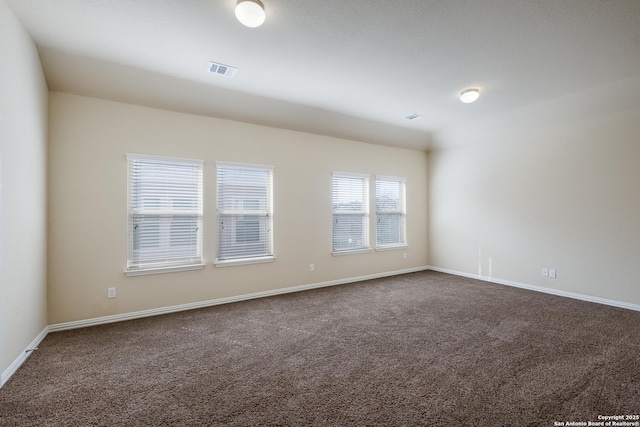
(250, 13)
(469, 95)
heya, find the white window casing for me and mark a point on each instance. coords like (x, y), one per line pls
(350, 204)
(164, 214)
(245, 214)
(390, 213)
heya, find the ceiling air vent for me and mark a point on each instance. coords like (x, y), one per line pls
(221, 69)
(413, 117)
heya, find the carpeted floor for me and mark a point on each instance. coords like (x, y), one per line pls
(418, 349)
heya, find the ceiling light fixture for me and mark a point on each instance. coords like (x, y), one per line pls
(469, 95)
(250, 13)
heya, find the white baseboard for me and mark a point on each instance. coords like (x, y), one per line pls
(589, 298)
(6, 375)
(201, 304)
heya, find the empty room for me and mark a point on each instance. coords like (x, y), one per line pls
(336, 213)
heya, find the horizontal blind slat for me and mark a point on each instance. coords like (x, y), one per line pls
(244, 212)
(350, 200)
(390, 212)
(165, 212)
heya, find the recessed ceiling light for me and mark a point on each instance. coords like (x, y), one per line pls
(414, 117)
(469, 95)
(250, 13)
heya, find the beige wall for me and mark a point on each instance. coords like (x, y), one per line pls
(88, 208)
(555, 185)
(23, 137)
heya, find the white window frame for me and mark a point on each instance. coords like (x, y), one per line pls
(267, 212)
(402, 213)
(137, 267)
(364, 213)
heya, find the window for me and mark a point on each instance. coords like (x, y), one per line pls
(245, 214)
(390, 213)
(350, 197)
(165, 214)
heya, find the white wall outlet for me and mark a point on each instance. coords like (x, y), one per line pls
(404, 255)
(312, 267)
(111, 293)
(545, 271)
(552, 273)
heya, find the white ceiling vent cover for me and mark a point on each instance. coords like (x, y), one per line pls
(414, 117)
(221, 69)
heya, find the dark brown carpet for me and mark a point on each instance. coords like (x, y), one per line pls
(418, 349)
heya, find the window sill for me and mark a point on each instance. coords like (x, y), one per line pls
(244, 261)
(351, 252)
(160, 270)
(391, 248)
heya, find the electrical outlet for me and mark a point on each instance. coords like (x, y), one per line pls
(312, 267)
(111, 293)
(552, 273)
(545, 271)
(404, 255)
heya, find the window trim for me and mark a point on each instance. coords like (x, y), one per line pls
(244, 261)
(402, 212)
(160, 270)
(351, 252)
(391, 247)
(166, 267)
(366, 214)
(262, 259)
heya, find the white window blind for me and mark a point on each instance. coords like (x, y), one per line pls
(350, 197)
(390, 212)
(165, 212)
(245, 212)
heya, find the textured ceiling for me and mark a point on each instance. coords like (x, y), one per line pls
(350, 69)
